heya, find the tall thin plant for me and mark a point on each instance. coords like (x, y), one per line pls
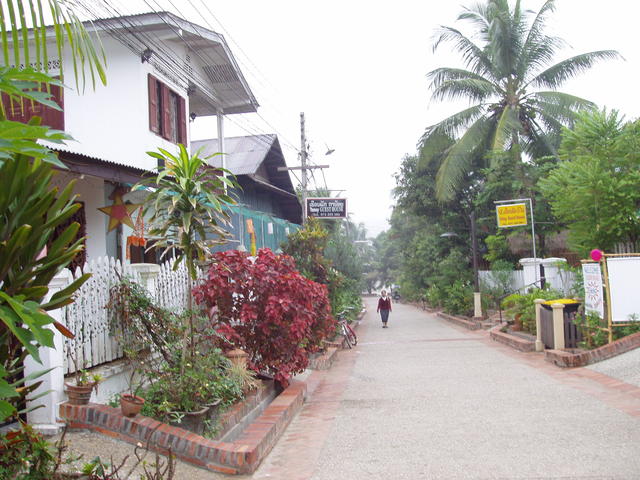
(188, 211)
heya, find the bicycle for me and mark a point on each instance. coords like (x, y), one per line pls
(349, 335)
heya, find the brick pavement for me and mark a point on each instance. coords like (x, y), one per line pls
(426, 399)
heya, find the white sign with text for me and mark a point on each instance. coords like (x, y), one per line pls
(593, 292)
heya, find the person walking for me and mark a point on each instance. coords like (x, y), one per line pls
(384, 307)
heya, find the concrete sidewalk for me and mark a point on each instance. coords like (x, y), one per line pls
(424, 399)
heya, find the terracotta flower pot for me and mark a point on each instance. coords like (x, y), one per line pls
(130, 405)
(79, 394)
(237, 356)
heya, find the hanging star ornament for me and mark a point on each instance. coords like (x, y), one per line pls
(120, 212)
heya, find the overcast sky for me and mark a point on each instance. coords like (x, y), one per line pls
(358, 71)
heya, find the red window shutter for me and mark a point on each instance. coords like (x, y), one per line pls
(167, 128)
(182, 121)
(22, 110)
(153, 104)
(51, 117)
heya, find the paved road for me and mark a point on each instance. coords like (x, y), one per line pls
(426, 400)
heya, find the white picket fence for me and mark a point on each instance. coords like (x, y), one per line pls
(89, 319)
(514, 280)
(504, 280)
(171, 287)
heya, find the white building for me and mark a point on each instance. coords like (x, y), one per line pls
(162, 71)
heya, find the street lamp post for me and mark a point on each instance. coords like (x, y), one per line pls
(477, 299)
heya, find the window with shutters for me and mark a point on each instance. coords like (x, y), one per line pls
(167, 112)
(21, 110)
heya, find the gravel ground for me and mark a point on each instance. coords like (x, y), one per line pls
(90, 445)
(625, 367)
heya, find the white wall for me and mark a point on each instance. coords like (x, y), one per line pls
(91, 191)
(112, 122)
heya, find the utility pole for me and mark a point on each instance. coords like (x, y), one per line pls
(304, 155)
(303, 164)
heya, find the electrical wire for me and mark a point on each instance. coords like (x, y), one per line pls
(145, 41)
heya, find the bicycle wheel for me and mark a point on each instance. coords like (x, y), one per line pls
(351, 336)
(346, 335)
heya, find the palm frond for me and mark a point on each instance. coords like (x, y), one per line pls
(559, 106)
(444, 74)
(542, 141)
(472, 89)
(433, 150)
(505, 36)
(556, 75)
(477, 16)
(508, 122)
(459, 159)
(452, 126)
(26, 41)
(538, 49)
(473, 56)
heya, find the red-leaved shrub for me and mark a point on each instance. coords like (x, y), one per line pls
(268, 309)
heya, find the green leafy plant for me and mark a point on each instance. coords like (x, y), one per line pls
(30, 257)
(435, 296)
(522, 305)
(458, 298)
(594, 189)
(26, 454)
(187, 204)
(171, 393)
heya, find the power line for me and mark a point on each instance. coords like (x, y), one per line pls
(145, 41)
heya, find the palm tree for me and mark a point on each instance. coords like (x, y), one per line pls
(511, 86)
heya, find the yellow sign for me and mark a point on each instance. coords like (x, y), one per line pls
(511, 215)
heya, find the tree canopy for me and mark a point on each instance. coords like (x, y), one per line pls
(510, 82)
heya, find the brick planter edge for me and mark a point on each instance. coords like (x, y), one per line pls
(324, 361)
(462, 322)
(565, 359)
(512, 341)
(241, 456)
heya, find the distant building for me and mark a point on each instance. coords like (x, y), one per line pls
(267, 196)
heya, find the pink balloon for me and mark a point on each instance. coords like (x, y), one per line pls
(596, 254)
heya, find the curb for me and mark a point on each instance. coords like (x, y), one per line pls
(468, 324)
(324, 361)
(512, 341)
(243, 455)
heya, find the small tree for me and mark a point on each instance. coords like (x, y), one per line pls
(594, 189)
(188, 214)
(267, 308)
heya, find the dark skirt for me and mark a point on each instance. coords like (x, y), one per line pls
(385, 315)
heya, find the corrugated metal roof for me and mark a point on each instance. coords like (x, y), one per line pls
(244, 155)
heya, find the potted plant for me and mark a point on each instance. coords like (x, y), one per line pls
(130, 403)
(80, 393)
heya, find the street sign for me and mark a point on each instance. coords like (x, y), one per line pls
(327, 207)
(511, 215)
